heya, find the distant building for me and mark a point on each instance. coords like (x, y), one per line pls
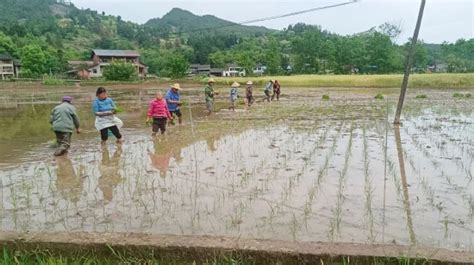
(259, 69)
(102, 58)
(199, 69)
(217, 71)
(79, 69)
(9, 66)
(233, 70)
(438, 68)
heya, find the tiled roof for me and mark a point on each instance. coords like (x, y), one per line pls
(116, 53)
(5, 56)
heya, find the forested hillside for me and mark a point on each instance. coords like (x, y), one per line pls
(45, 34)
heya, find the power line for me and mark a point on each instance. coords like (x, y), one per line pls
(272, 17)
(298, 12)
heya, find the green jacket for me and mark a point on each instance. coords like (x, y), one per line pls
(64, 118)
(209, 93)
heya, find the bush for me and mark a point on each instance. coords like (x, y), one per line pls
(378, 96)
(421, 96)
(120, 71)
(460, 95)
(53, 81)
(325, 97)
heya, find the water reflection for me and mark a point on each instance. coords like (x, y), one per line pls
(68, 182)
(110, 172)
(403, 175)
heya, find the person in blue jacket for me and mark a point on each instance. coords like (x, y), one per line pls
(174, 102)
(105, 120)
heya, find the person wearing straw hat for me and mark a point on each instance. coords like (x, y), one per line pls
(233, 95)
(174, 102)
(64, 120)
(209, 95)
(249, 93)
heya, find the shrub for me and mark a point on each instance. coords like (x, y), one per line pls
(53, 81)
(378, 96)
(120, 71)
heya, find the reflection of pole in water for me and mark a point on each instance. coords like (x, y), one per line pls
(406, 199)
(1, 205)
(385, 174)
(195, 214)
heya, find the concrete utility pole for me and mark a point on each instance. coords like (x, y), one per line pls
(409, 64)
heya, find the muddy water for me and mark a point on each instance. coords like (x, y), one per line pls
(309, 171)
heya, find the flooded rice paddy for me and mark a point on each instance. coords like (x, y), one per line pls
(300, 169)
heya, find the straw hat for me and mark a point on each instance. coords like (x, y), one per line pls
(235, 84)
(211, 80)
(249, 83)
(176, 86)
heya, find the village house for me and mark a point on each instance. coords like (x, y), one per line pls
(199, 69)
(233, 70)
(102, 58)
(79, 69)
(9, 66)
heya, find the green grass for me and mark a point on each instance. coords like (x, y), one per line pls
(422, 96)
(325, 97)
(53, 81)
(444, 80)
(44, 257)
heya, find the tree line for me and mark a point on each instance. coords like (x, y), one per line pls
(45, 34)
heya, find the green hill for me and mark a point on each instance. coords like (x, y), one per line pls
(182, 21)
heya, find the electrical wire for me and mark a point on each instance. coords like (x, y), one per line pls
(269, 18)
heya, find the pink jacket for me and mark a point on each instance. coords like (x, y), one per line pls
(158, 109)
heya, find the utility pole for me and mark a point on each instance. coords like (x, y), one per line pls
(408, 64)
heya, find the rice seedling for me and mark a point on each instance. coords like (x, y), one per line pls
(379, 96)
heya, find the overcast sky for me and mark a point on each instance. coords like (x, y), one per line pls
(443, 20)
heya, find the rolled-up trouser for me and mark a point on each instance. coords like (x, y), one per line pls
(210, 105)
(63, 140)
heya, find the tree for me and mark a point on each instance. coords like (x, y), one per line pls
(420, 60)
(120, 71)
(172, 64)
(33, 60)
(6, 44)
(273, 57)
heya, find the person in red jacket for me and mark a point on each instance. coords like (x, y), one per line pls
(158, 111)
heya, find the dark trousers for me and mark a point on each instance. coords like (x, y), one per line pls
(104, 133)
(267, 96)
(159, 124)
(63, 140)
(276, 93)
(249, 100)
